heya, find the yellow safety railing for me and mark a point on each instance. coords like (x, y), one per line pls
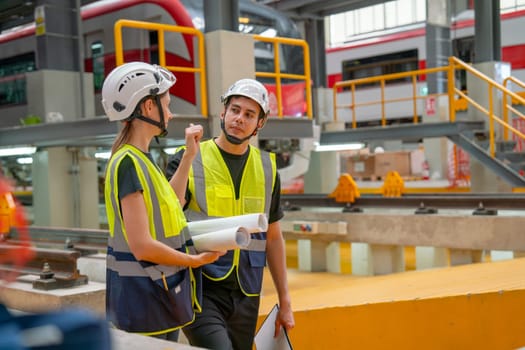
(161, 29)
(383, 79)
(508, 106)
(455, 64)
(201, 66)
(277, 75)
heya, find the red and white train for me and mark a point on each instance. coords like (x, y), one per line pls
(406, 50)
(17, 48)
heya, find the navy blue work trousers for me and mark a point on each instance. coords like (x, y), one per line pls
(227, 321)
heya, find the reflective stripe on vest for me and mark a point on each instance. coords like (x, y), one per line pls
(138, 285)
(213, 195)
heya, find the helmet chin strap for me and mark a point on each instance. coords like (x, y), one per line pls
(235, 140)
(160, 124)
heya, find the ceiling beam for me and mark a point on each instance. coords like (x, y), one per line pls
(330, 7)
(290, 5)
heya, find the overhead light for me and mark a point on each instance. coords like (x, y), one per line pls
(171, 150)
(17, 151)
(103, 155)
(269, 33)
(24, 160)
(339, 147)
(244, 20)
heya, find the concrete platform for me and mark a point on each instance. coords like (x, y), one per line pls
(476, 306)
(129, 341)
(20, 295)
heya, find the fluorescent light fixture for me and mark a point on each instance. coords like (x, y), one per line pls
(269, 33)
(171, 150)
(25, 160)
(17, 151)
(339, 147)
(103, 155)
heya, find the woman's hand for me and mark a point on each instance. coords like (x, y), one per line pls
(206, 258)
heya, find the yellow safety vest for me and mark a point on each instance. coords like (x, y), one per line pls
(213, 195)
(142, 296)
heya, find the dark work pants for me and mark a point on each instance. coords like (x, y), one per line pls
(227, 321)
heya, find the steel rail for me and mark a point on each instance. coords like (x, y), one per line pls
(507, 201)
(91, 239)
(83, 240)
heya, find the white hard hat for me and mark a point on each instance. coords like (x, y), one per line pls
(129, 83)
(249, 88)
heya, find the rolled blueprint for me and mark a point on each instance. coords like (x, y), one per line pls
(225, 239)
(252, 222)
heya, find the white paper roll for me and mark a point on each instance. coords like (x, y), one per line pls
(226, 239)
(252, 222)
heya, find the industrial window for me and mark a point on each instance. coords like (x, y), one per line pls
(397, 62)
(13, 80)
(97, 55)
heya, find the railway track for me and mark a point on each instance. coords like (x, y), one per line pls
(490, 202)
(482, 204)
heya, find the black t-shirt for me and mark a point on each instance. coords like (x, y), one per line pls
(128, 180)
(236, 165)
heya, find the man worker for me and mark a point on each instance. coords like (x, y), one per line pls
(231, 177)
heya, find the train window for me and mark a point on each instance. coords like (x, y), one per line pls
(97, 55)
(154, 46)
(12, 78)
(397, 62)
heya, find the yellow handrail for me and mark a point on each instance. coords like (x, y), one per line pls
(277, 75)
(454, 64)
(508, 106)
(382, 79)
(161, 28)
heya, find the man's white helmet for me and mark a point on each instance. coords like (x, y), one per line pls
(129, 83)
(252, 89)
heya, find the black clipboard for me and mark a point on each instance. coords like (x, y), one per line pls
(264, 339)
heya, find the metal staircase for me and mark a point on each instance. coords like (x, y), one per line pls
(507, 164)
(477, 138)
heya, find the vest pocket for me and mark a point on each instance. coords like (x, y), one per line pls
(253, 205)
(257, 259)
(178, 298)
(220, 200)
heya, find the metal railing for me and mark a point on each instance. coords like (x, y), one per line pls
(161, 29)
(201, 66)
(453, 93)
(278, 75)
(508, 106)
(492, 87)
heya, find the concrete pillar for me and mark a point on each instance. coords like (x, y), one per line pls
(57, 39)
(65, 189)
(221, 15)
(65, 180)
(377, 259)
(431, 257)
(229, 57)
(438, 48)
(465, 256)
(436, 149)
(318, 256)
